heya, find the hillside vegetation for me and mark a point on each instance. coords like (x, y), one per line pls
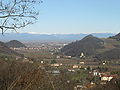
(88, 45)
(14, 44)
(102, 49)
(112, 85)
(6, 50)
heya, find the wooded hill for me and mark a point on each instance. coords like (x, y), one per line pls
(7, 51)
(14, 44)
(88, 45)
(104, 48)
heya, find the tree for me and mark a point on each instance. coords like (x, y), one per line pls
(15, 14)
(53, 61)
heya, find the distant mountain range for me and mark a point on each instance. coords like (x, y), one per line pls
(46, 37)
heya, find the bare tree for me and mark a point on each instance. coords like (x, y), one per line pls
(15, 14)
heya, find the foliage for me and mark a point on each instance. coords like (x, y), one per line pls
(7, 51)
(114, 84)
(53, 61)
(87, 45)
(16, 75)
(15, 44)
(109, 55)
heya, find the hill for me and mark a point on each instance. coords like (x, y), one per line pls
(14, 44)
(109, 55)
(117, 37)
(88, 45)
(111, 50)
(7, 51)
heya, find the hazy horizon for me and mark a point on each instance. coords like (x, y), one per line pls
(60, 33)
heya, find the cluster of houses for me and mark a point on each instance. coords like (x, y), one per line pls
(69, 57)
(29, 48)
(104, 76)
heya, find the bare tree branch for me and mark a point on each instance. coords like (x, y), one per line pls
(15, 14)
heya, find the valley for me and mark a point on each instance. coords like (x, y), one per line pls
(94, 61)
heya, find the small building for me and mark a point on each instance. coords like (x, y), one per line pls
(82, 55)
(71, 70)
(76, 66)
(96, 73)
(17, 57)
(41, 62)
(82, 63)
(107, 77)
(31, 62)
(57, 57)
(69, 57)
(55, 72)
(56, 64)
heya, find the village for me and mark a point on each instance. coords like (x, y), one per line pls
(84, 72)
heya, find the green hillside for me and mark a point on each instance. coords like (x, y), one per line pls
(88, 45)
(104, 48)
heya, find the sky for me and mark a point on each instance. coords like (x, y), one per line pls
(77, 16)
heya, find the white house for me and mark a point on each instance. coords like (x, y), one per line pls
(56, 64)
(82, 63)
(107, 77)
(82, 55)
(96, 73)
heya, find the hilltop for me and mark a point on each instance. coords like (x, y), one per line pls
(15, 44)
(7, 51)
(100, 48)
(88, 45)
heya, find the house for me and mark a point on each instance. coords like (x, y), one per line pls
(56, 64)
(71, 70)
(82, 63)
(107, 77)
(17, 57)
(78, 87)
(96, 73)
(57, 57)
(76, 66)
(82, 55)
(55, 72)
(69, 57)
(41, 62)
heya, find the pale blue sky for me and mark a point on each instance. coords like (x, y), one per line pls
(77, 16)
